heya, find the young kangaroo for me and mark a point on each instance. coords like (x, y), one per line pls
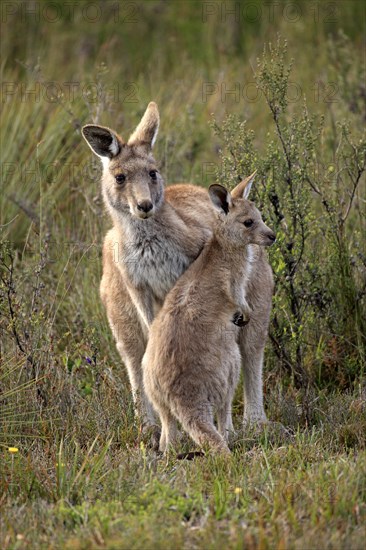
(156, 235)
(192, 360)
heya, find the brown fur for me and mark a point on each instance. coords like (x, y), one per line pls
(149, 248)
(192, 360)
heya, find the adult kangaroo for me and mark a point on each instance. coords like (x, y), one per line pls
(157, 233)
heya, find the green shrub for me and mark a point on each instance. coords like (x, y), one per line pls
(309, 191)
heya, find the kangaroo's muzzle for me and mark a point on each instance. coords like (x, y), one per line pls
(145, 206)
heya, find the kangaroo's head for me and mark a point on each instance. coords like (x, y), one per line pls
(131, 181)
(239, 221)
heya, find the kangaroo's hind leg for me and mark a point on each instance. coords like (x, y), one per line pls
(202, 430)
(129, 335)
(252, 340)
(169, 430)
(225, 422)
(224, 413)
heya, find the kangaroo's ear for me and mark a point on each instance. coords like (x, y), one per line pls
(147, 130)
(220, 198)
(242, 190)
(102, 141)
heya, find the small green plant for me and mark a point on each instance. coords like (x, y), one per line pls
(309, 195)
(76, 473)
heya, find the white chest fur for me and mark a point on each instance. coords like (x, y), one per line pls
(152, 259)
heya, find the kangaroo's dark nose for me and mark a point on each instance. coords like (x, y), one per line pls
(145, 206)
(271, 236)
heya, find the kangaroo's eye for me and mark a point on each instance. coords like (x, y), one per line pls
(248, 223)
(152, 174)
(120, 178)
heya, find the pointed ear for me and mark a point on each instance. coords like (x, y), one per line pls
(220, 198)
(242, 190)
(147, 130)
(102, 141)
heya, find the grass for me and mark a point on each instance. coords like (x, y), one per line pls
(83, 475)
(306, 492)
